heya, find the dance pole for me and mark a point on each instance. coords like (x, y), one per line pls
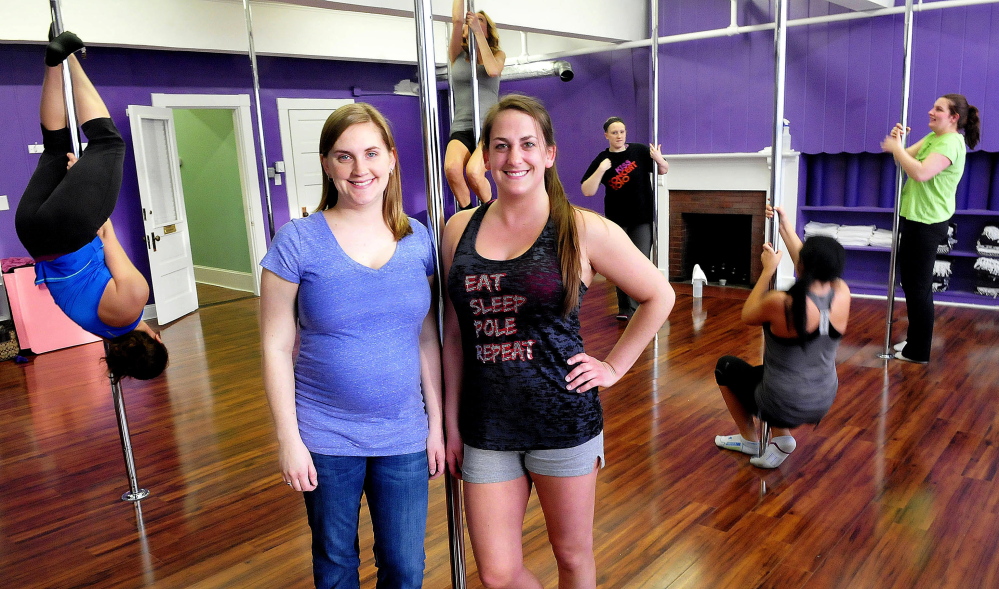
(432, 165)
(899, 177)
(776, 165)
(654, 89)
(67, 81)
(472, 57)
(450, 112)
(777, 144)
(134, 493)
(260, 118)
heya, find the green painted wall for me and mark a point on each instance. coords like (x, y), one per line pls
(206, 142)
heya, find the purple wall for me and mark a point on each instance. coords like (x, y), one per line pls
(604, 85)
(843, 82)
(843, 87)
(130, 76)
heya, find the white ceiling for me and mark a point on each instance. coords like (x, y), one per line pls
(361, 30)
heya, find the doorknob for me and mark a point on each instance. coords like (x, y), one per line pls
(154, 239)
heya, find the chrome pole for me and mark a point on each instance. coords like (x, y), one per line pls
(776, 162)
(435, 217)
(777, 144)
(135, 493)
(450, 110)
(67, 81)
(654, 89)
(899, 178)
(260, 118)
(472, 57)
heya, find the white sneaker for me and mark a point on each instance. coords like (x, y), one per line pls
(738, 444)
(899, 346)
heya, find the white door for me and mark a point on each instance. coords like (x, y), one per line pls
(301, 122)
(161, 195)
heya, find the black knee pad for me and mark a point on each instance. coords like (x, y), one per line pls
(721, 370)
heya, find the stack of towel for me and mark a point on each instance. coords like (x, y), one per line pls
(813, 228)
(987, 267)
(950, 242)
(853, 235)
(941, 275)
(859, 235)
(988, 243)
(881, 238)
(987, 277)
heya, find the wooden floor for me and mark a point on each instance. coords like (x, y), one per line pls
(896, 488)
(209, 294)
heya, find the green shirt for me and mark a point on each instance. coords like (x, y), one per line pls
(933, 201)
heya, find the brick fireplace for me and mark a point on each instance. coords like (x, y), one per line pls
(749, 203)
(736, 185)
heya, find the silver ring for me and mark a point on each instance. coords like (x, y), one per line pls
(288, 483)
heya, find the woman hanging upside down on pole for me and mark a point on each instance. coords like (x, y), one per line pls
(63, 221)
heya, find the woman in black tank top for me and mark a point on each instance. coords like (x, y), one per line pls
(516, 377)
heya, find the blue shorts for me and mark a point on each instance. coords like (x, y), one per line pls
(496, 466)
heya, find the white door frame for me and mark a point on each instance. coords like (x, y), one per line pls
(284, 124)
(246, 155)
(171, 264)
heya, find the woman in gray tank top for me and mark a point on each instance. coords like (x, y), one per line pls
(802, 329)
(463, 157)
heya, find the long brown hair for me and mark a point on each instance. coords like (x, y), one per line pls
(492, 34)
(339, 121)
(562, 213)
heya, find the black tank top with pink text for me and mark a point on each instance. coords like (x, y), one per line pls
(515, 344)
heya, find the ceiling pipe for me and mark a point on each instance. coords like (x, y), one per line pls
(522, 71)
(731, 30)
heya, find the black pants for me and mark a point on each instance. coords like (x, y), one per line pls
(62, 210)
(641, 236)
(917, 250)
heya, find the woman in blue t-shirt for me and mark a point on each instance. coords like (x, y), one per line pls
(934, 166)
(357, 406)
(62, 220)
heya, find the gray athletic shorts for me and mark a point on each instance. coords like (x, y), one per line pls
(494, 466)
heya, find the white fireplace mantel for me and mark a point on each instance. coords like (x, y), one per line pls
(728, 171)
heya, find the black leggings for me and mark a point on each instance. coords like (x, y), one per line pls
(917, 252)
(61, 210)
(641, 236)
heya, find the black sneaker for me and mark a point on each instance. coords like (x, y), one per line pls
(62, 47)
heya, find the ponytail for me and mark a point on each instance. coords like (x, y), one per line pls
(967, 118)
(821, 259)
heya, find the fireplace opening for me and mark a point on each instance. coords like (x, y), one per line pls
(721, 245)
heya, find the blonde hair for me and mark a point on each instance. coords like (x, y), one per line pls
(563, 213)
(339, 121)
(492, 34)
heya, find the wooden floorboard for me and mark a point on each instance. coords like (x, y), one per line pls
(896, 487)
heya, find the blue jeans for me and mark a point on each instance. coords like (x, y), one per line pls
(396, 488)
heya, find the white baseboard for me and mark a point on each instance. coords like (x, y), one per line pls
(243, 281)
(149, 312)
